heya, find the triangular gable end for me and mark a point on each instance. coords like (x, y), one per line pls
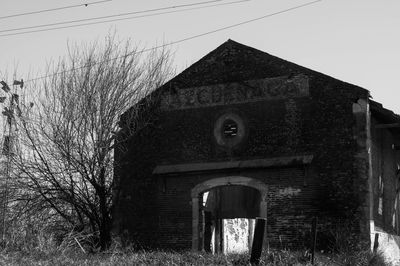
(233, 62)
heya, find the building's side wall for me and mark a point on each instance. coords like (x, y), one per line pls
(385, 164)
(386, 213)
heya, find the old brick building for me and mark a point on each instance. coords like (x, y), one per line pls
(243, 134)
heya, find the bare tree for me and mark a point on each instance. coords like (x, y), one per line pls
(67, 136)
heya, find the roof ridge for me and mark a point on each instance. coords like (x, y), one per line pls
(265, 65)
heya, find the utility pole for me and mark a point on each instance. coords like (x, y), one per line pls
(9, 143)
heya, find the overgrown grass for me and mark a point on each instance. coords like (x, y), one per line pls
(77, 257)
(44, 249)
(134, 258)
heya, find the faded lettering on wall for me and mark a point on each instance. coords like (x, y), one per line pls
(237, 92)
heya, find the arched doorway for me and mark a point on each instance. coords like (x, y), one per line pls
(197, 200)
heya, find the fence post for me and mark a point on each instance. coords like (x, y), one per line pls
(376, 243)
(313, 238)
(256, 247)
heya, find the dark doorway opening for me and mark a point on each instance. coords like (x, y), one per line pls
(227, 218)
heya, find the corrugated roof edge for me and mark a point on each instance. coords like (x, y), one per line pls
(382, 113)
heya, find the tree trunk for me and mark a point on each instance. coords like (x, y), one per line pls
(105, 236)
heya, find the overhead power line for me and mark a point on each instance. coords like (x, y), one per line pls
(111, 16)
(184, 39)
(120, 19)
(54, 9)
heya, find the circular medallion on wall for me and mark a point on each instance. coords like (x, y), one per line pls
(229, 130)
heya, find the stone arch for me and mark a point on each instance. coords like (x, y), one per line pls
(218, 182)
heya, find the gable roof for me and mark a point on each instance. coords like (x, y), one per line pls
(233, 61)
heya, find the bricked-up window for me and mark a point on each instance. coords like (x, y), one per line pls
(230, 128)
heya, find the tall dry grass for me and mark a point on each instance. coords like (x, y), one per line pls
(43, 247)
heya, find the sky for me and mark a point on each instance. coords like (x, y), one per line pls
(357, 41)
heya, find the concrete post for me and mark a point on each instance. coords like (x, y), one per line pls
(195, 224)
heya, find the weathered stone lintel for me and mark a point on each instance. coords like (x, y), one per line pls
(258, 163)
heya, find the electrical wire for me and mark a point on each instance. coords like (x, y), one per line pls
(120, 19)
(185, 39)
(113, 16)
(53, 9)
(113, 20)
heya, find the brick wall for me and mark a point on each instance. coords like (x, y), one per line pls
(155, 211)
(291, 205)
